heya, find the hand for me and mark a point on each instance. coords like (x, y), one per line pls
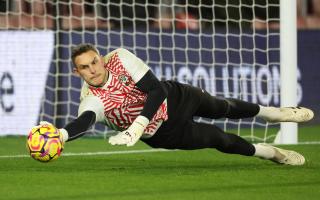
(45, 123)
(64, 134)
(130, 136)
(124, 138)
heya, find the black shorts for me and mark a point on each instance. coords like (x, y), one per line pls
(180, 131)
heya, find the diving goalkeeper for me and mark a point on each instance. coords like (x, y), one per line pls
(121, 92)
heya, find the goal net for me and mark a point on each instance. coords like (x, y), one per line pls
(229, 48)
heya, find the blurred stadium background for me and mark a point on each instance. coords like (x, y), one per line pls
(230, 48)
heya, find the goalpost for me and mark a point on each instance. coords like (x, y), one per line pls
(288, 133)
(229, 48)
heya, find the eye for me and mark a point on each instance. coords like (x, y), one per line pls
(83, 66)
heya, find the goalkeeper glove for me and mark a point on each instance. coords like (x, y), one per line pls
(62, 131)
(45, 123)
(130, 136)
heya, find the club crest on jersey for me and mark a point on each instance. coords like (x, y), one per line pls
(124, 79)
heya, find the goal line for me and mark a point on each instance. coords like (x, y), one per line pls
(124, 152)
(96, 153)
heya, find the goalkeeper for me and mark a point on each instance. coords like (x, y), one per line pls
(120, 91)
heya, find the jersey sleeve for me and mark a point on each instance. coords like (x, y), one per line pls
(92, 103)
(134, 65)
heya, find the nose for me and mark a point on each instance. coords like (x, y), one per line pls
(92, 69)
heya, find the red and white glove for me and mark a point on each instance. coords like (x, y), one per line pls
(130, 136)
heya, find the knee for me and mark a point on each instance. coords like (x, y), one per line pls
(226, 143)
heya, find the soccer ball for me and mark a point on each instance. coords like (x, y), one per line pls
(44, 143)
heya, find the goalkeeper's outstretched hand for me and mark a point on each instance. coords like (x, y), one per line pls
(62, 132)
(130, 136)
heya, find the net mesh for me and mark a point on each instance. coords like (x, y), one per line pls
(229, 48)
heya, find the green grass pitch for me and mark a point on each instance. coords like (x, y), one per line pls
(201, 174)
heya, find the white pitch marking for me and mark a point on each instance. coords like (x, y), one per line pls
(119, 152)
(95, 153)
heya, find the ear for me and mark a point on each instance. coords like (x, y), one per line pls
(75, 70)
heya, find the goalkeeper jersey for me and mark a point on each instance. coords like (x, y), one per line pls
(119, 101)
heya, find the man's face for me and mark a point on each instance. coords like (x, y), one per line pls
(90, 66)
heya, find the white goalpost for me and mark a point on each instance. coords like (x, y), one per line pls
(239, 49)
(288, 133)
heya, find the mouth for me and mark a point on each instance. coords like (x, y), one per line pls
(95, 77)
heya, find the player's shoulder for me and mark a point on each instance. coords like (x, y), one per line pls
(120, 51)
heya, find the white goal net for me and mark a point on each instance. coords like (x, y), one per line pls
(230, 48)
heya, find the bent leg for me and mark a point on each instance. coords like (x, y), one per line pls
(200, 135)
(192, 135)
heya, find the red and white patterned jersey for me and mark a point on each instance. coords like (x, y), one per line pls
(119, 102)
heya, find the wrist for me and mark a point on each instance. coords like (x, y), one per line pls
(142, 121)
(139, 124)
(64, 134)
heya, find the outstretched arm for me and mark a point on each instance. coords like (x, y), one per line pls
(90, 111)
(79, 126)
